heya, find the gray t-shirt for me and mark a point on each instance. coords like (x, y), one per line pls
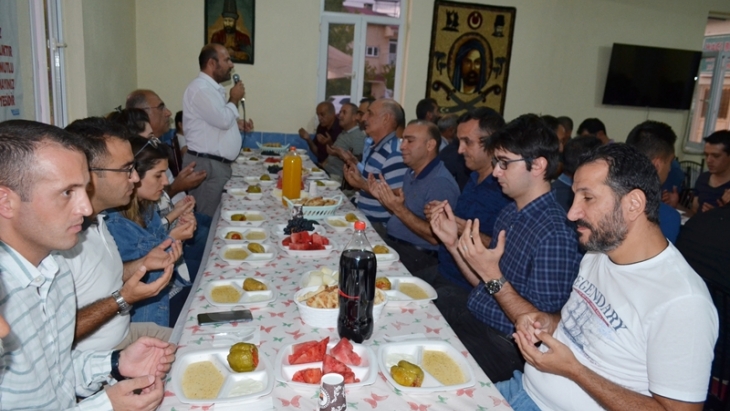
(351, 140)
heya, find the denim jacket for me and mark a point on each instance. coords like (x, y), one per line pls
(134, 242)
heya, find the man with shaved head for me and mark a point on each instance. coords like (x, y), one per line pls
(327, 131)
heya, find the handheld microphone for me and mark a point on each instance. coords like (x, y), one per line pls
(236, 80)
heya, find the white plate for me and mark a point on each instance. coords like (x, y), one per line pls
(301, 151)
(242, 193)
(279, 230)
(339, 229)
(412, 351)
(314, 176)
(280, 149)
(276, 193)
(248, 298)
(252, 160)
(366, 372)
(308, 254)
(223, 231)
(329, 184)
(385, 260)
(253, 259)
(226, 215)
(263, 375)
(252, 180)
(395, 296)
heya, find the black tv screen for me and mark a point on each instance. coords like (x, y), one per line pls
(651, 77)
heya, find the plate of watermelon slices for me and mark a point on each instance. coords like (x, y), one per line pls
(302, 365)
(306, 245)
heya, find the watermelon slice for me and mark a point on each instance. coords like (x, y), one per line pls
(331, 364)
(308, 376)
(286, 242)
(301, 237)
(344, 352)
(310, 351)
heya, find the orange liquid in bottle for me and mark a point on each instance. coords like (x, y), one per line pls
(291, 184)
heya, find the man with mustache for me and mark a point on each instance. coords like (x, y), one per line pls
(43, 202)
(638, 330)
(533, 256)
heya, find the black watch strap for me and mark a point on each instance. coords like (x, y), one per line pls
(115, 367)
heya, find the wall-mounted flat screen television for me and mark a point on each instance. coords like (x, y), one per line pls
(651, 77)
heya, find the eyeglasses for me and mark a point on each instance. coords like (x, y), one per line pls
(152, 141)
(129, 170)
(504, 163)
(160, 107)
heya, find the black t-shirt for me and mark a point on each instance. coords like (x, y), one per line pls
(704, 241)
(707, 194)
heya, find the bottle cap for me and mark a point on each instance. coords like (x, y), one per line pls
(359, 225)
(292, 148)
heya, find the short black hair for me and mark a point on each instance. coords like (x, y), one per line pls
(592, 126)
(209, 51)
(96, 131)
(178, 117)
(551, 122)
(133, 119)
(575, 148)
(567, 122)
(352, 106)
(530, 137)
(424, 107)
(433, 131)
(720, 137)
(446, 122)
(629, 169)
(19, 141)
(368, 100)
(489, 122)
(653, 138)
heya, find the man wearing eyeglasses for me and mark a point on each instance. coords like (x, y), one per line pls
(533, 256)
(106, 288)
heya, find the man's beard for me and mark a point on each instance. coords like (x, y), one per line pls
(471, 78)
(229, 29)
(609, 234)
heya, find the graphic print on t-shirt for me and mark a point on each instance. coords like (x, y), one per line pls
(587, 313)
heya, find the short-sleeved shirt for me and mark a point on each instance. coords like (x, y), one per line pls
(434, 182)
(541, 259)
(383, 158)
(478, 200)
(706, 193)
(333, 131)
(351, 140)
(675, 177)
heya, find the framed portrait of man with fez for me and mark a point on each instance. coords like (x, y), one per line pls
(469, 58)
(231, 23)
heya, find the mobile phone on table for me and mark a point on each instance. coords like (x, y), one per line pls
(225, 317)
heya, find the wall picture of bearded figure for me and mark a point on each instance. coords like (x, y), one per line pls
(231, 23)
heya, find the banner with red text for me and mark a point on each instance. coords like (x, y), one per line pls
(11, 90)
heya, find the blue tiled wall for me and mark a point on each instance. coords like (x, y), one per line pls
(250, 140)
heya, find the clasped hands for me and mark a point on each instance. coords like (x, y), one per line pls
(552, 356)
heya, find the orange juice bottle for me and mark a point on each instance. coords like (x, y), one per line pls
(291, 184)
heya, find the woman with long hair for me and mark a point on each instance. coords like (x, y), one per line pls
(138, 228)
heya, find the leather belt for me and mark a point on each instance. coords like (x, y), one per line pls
(210, 156)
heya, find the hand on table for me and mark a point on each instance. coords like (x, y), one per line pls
(147, 356)
(123, 397)
(671, 198)
(443, 224)
(483, 261)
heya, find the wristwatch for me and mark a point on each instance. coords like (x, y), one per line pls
(124, 308)
(494, 286)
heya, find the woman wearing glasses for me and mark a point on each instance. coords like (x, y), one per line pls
(138, 227)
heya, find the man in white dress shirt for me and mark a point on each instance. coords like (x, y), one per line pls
(211, 124)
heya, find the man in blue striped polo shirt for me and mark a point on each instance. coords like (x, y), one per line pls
(43, 179)
(381, 156)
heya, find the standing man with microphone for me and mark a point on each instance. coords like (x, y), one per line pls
(212, 127)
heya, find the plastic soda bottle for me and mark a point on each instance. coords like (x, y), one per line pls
(291, 184)
(358, 267)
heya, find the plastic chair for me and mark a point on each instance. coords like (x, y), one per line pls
(718, 395)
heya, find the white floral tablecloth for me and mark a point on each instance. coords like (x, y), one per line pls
(281, 325)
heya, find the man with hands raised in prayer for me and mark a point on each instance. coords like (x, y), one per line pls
(533, 259)
(638, 330)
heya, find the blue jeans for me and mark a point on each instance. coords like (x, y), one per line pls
(515, 394)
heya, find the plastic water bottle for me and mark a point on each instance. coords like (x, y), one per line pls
(358, 267)
(291, 180)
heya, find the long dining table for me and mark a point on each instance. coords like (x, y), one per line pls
(278, 324)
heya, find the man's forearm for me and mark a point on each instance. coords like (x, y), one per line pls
(416, 224)
(616, 398)
(464, 267)
(512, 303)
(93, 316)
(130, 267)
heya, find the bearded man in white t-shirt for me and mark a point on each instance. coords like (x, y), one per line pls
(638, 330)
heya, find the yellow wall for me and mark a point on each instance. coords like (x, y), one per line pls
(559, 58)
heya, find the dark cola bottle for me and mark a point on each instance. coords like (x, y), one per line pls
(358, 268)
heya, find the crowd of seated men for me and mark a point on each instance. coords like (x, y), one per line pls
(553, 257)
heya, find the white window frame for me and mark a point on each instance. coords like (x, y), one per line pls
(48, 56)
(372, 51)
(360, 21)
(716, 86)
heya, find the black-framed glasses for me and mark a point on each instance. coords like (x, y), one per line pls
(503, 164)
(129, 170)
(152, 141)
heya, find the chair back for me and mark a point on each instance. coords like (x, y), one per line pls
(718, 395)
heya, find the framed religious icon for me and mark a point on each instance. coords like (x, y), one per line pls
(231, 23)
(469, 60)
